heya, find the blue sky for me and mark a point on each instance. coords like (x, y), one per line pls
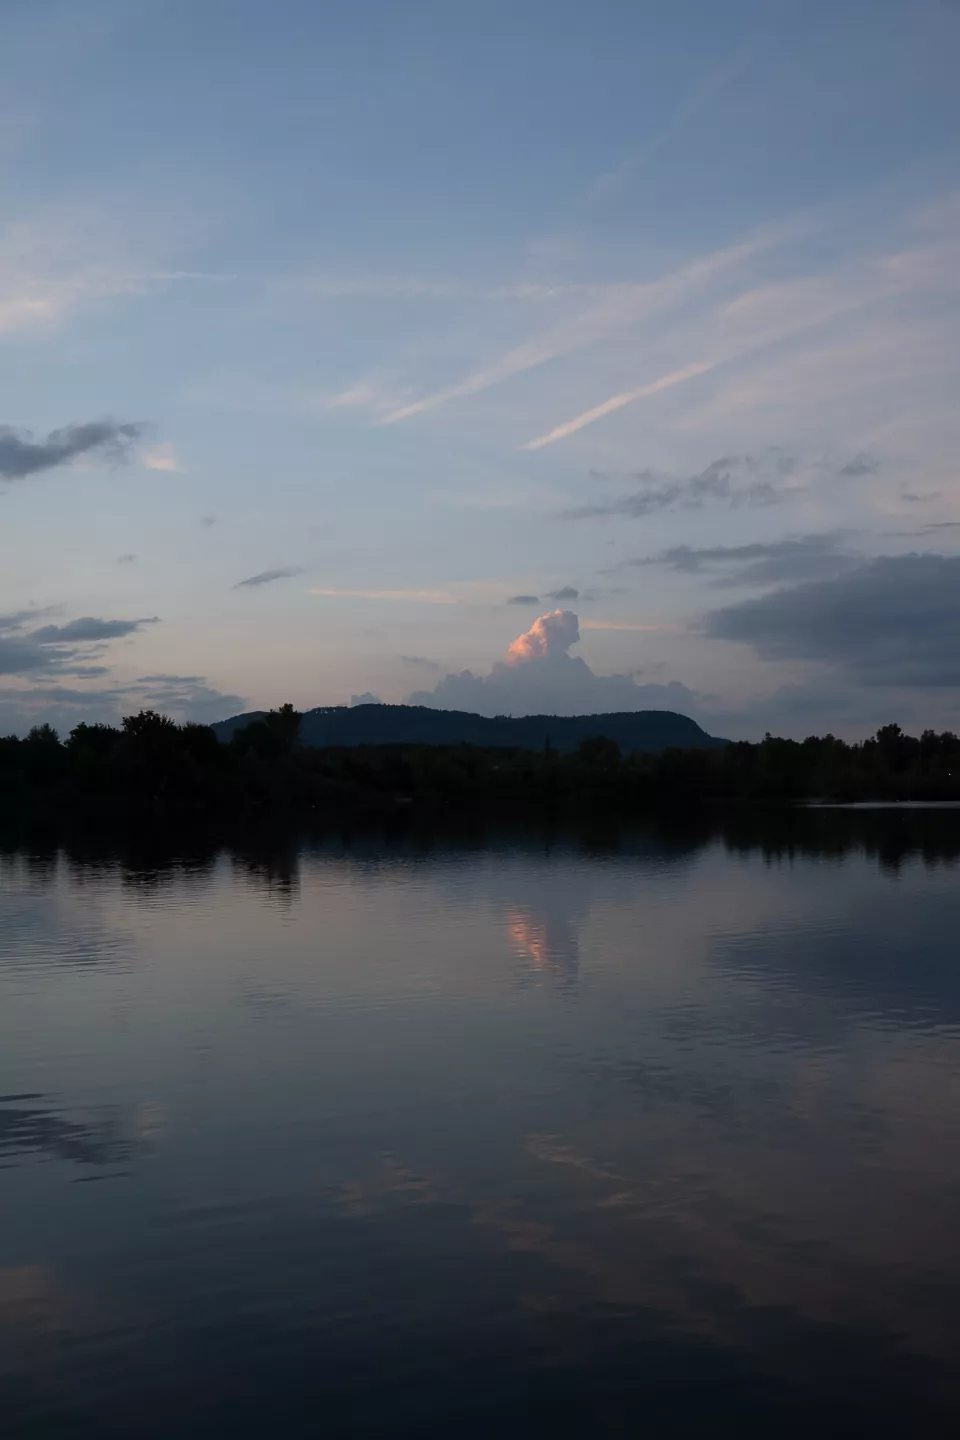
(429, 307)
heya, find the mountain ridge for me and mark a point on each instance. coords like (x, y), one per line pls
(649, 731)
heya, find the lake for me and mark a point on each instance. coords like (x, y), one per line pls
(649, 1133)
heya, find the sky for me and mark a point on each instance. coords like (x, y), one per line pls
(513, 357)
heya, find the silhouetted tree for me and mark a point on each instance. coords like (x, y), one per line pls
(599, 750)
(149, 725)
(153, 762)
(96, 739)
(284, 723)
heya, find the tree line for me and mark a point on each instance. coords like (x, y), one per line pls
(152, 763)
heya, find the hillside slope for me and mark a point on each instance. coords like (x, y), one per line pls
(646, 730)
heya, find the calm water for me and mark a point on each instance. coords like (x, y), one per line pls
(642, 1135)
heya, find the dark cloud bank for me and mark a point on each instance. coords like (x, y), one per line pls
(892, 621)
(22, 456)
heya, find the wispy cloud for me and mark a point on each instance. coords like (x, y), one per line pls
(89, 628)
(160, 457)
(184, 697)
(737, 316)
(629, 627)
(376, 395)
(30, 650)
(524, 600)
(21, 455)
(190, 697)
(267, 577)
(723, 311)
(415, 287)
(734, 480)
(617, 402)
(17, 619)
(702, 94)
(58, 262)
(424, 597)
(768, 315)
(760, 563)
(860, 465)
(620, 306)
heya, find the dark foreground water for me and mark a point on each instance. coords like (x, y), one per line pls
(633, 1136)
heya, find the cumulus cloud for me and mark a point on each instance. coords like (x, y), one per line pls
(367, 698)
(524, 600)
(549, 637)
(420, 661)
(733, 480)
(538, 676)
(891, 621)
(566, 592)
(267, 577)
(21, 455)
(802, 557)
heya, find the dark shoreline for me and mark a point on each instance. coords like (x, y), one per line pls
(155, 840)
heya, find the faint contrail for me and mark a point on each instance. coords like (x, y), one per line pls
(620, 306)
(617, 402)
(426, 597)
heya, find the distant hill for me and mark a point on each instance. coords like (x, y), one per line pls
(647, 730)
